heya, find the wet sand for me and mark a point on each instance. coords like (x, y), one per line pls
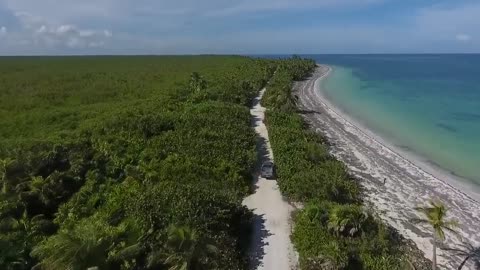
(410, 182)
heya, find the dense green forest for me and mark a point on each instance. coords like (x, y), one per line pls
(142, 163)
(334, 230)
(126, 162)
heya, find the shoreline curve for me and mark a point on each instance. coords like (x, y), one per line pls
(415, 160)
(371, 159)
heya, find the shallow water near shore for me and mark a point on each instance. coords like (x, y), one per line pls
(426, 104)
(372, 158)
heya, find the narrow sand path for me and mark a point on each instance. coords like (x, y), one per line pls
(271, 246)
(371, 160)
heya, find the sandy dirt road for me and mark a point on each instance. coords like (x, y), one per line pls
(271, 246)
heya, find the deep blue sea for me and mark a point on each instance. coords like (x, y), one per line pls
(428, 104)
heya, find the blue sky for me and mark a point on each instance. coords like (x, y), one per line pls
(31, 27)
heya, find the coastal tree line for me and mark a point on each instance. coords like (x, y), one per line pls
(333, 230)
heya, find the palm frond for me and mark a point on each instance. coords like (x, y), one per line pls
(452, 231)
(451, 224)
(440, 233)
(129, 252)
(457, 252)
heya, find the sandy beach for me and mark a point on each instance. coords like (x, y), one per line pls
(410, 181)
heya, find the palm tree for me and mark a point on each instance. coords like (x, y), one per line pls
(187, 249)
(86, 245)
(436, 216)
(469, 252)
(347, 220)
(37, 185)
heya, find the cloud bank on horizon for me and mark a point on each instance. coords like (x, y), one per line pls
(31, 27)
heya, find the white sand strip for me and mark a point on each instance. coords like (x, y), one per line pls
(371, 159)
(271, 246)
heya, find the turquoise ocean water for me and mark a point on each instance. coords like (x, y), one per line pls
(427, 104)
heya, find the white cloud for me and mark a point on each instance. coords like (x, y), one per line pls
(37, 33)
(54, 23)
(64, 29)
(463, 37)
(192, 26)
(3, 31)
(41, 30)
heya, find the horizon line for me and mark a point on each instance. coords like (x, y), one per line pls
(233, 54)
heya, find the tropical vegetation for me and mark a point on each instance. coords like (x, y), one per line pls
(142, 163)
(126, 162)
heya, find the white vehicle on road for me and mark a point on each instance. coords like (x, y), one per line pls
(267, 170)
